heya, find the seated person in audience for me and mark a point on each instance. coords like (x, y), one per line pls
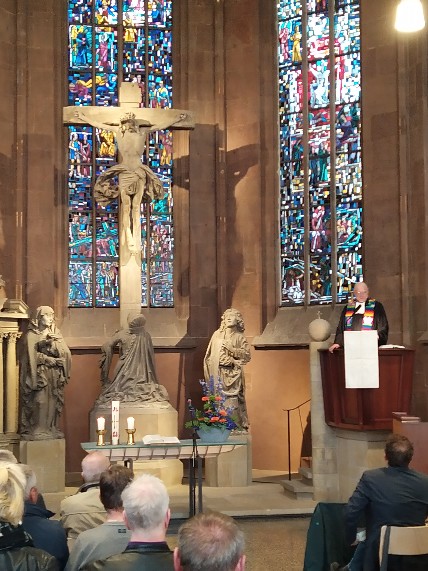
(146, 513)
(84, 509)
(395, 495)
(8, 456)
(46, 534)
(16, 546)
(112, 536)
(209, 541)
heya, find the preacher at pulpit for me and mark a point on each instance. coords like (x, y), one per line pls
(362, 313)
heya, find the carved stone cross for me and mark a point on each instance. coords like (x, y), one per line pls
(137, 183)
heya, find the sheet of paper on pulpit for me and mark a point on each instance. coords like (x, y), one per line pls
(361, 360)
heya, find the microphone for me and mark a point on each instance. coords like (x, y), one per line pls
(191, 409)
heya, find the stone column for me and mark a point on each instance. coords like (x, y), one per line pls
(324, 454)
(2, 336)
(12, 385)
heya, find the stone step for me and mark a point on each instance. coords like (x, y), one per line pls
(306, 473)
(298, 488)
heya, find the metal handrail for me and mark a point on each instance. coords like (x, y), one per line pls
(288, 410)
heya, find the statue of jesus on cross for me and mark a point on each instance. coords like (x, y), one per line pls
(137, 182)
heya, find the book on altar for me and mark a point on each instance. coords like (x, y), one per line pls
(158, 439)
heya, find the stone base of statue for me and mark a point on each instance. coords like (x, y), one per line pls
(47, 458)
(231, 469)
(148, 420)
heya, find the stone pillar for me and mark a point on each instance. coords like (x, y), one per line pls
(324, 453)
(14, 311)
(12, 384)
(2, 336)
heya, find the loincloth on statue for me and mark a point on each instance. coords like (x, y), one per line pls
(106, 188)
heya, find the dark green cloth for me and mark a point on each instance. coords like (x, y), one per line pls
(326, 538)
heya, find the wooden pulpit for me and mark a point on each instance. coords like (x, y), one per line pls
(367, 409)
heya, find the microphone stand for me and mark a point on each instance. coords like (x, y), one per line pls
(194, 464)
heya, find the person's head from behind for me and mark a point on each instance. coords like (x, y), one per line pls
(398, 451)
(12, 485)
(93, 465)
(210, 541)
(146, 507)
(7, 456)
(31, 492)
(112, 483)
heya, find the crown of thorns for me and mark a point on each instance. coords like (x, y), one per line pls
(127, 117)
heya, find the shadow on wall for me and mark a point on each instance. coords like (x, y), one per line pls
(237, 163)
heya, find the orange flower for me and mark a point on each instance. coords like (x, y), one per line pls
(215, 419)
(205, 399)
(217, 398)
(222, 412)
(222, 420)
(201, 419)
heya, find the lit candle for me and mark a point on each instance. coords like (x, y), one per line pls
(101, 423)
(131, 422)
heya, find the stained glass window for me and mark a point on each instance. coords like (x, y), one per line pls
(320, 149)
(107, 46)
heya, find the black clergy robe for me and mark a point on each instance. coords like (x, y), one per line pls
(380, 323)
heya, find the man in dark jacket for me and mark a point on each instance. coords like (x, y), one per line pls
(395, 495)
(146, 514)
(47, 535)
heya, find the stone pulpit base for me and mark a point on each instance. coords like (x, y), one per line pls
(357, 452)
(148, 420)
(47, 459)
(231, 469)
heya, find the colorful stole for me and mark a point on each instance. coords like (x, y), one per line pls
(368, 315)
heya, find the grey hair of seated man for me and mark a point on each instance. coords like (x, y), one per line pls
(93, 465)
(7, 456)
(210, 541)
(146, 504)
(30, 483)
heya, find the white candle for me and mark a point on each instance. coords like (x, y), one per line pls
(101, 423)
(131, 422)
(115, 422)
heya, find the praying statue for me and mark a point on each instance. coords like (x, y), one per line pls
(134, 379)
(227, 353)
(45, 364)
(137, 182)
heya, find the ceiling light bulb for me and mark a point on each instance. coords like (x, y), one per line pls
(409, 16)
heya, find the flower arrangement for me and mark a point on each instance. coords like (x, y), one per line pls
(215, 412)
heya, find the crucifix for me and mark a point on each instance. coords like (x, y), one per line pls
(137, 183)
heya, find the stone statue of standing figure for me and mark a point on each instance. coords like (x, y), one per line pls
(134, 379)
(137, 182)
(227, 353)
(45, 364)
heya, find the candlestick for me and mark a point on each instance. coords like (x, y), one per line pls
(130, 432)
(131, 422)
(100, 439)
(101, 423)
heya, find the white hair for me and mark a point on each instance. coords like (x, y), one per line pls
(145, 502)
(93, 465)
(31, 480)
(12, 484)
(7, 456)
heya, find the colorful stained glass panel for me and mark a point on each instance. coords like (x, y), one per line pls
(80, 284)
